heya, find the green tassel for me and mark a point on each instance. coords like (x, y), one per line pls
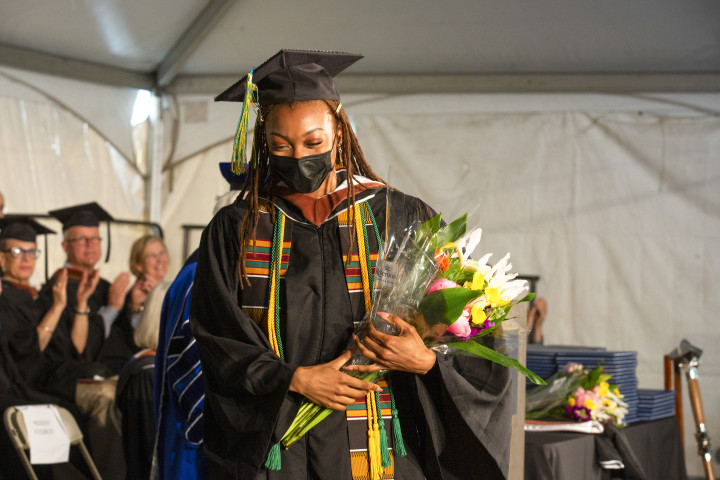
(385, 460)
(239, 144)
(273, 461)
(397, 432)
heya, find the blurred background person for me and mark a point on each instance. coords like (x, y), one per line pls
(149, 263)
(71, 367)
(135, 389)
(179, 388)
(25, 332)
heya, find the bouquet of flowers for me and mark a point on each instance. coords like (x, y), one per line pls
(579, 394)
(426, 277)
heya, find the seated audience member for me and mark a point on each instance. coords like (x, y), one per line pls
(71, 367)
(149, 262)
(179, 388)
(24, 331)
(135, 390)
(535, 318)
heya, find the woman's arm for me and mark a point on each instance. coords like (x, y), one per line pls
(49, 322)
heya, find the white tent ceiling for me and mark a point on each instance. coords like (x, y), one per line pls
(664, 45)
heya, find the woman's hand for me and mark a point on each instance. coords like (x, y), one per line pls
(405, 352)
(326, 385)
(59, 291)
(140, 290)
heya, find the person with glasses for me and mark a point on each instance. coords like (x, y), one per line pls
(18, 256)
(72, 368)
(149, 262)
(25, 329)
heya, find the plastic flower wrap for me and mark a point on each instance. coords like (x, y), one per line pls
(424, 275)
(578, 394)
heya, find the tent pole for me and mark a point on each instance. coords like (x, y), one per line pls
(156, 155)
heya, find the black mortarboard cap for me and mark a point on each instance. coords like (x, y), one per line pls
(286, 77)
(293, 76)
(85, 215)
(21, 227)
(236, 181)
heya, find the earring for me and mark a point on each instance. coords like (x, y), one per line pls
(340, 160)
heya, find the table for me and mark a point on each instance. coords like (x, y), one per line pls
(572, 456)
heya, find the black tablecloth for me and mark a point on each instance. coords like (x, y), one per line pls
(571, 456)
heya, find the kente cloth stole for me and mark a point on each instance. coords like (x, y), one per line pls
(372, 416)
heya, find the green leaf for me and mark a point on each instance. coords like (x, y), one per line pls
(426, 231)
(452, 232)
(452, 272)
(493, 356)
(526, 298)
(446, 306)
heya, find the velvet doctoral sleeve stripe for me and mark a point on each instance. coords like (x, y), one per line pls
(246, 381)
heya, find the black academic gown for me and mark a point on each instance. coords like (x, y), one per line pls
(134, 399)
(455, 419)
(63, 364)
(120, 345)
(20, 357)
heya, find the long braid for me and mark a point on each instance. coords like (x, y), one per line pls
(260, 179)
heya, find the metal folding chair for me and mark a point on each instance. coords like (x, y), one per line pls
(15, 426)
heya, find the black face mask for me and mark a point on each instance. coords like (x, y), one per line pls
(305, 174)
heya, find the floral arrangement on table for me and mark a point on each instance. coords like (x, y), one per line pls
(427, 278)
(578, 394)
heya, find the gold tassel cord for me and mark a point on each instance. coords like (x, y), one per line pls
(362, 256)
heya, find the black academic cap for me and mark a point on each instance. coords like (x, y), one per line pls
(85, 215)
(21, 228)
(236, 181)
(292, 76)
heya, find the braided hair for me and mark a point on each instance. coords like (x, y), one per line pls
(261, 181)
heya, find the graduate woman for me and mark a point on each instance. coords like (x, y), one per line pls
(276, 298)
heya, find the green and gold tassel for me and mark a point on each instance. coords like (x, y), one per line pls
(273, 461)
(240, 143)
(384, 450)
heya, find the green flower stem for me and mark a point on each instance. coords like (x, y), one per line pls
(310, 414)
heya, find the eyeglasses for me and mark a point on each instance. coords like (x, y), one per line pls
(85, 240)
(155, 256)
(17, 252)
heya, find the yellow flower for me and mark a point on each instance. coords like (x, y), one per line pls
(589, 404)
(493, 297)
(478, 314)
(571, 401)
(478, 281)
(604, 388)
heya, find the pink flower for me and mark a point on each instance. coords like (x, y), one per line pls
(441, 284)
(461, 327)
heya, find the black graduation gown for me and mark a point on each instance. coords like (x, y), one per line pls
(455, 419)
(63, 364)
(134, 399)
(20, 352)
(21, 315)
(120, 345)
